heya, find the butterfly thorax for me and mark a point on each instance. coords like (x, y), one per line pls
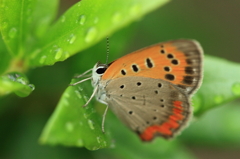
(97, 72)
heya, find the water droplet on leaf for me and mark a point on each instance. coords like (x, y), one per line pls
(78, 94)
(42, 59)
(35, 53)
(12, 32)
(135, 10)
(236, 88)
(90, 123)
(65, 102)
(81, 20)
(31, 86)
(69, 126)
(218, 99)
(96, 19)
(79, 142)
(71, 39)
(63, 18)
(4, 25)
(58, 53)
(98, 139)
(66, 54)
(91, 34)
(117, 17)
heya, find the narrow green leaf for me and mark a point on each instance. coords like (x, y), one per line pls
(17, 83)
(14, 22)
(221, 84)
(85, 24)
(4, 57)
(45, 12)
(74, 125)
(18, 17)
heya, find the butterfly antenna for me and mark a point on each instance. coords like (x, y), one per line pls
(107, 49)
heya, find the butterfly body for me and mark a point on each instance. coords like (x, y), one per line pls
(149, 90)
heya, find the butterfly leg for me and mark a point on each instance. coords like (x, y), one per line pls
(103, 119)
(81, 75)
(93, 94)
(80, 81)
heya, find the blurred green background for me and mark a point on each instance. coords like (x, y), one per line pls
(215, 24)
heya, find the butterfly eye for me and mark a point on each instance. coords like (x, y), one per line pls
(101, 70)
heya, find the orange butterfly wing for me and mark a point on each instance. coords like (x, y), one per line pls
(178, 62)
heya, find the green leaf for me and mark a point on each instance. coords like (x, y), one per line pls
(74, 125)
(18, 17)
(4, 57)
(85, 24)
(17, 83)
(219, 127)
(45, 12)
(221, 84)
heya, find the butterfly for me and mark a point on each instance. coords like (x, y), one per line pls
(150, 89)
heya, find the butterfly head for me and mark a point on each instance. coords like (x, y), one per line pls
(97, 72)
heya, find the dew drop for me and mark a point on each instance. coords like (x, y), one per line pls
(35, 53)
(86, 98)
(66, 55)
(104, 143)
(117, 17)
(218, 99)
(71, 39)
(66, 95)
(78, 94)
(90, 123)
(69, 126)
(98, 139)
(65, 102)
(135, 10)
(13, 76)
(80, 89)
(96, 20)
(79, 142)
(21, 80)
(4, 25)
(12, 32)
(81, 20)
(112, 145)
(236, 89)
(91, 34)
(63, 18)
(58, 53)
(31, 86)
(42, 59)
(95, 148)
